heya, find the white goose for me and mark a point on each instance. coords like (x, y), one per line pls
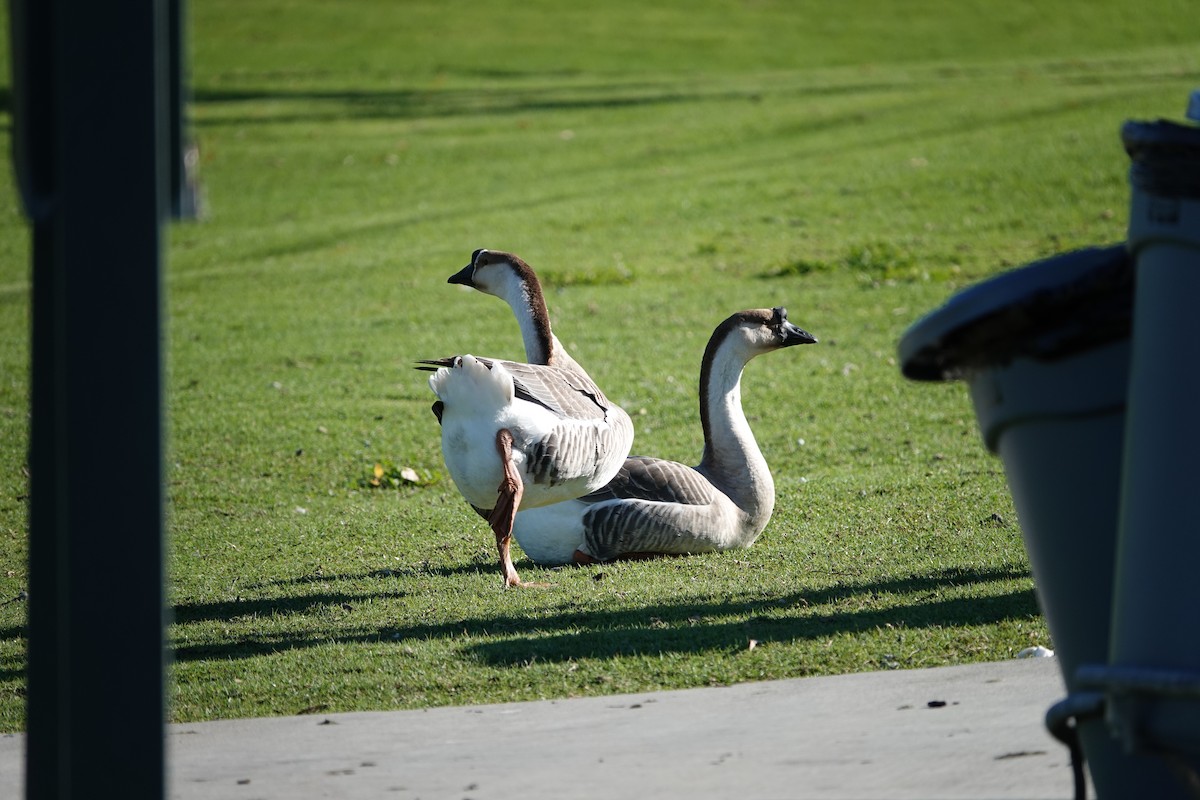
(655, 507)
(519, 435)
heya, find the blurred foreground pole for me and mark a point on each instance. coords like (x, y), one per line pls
(91, 126)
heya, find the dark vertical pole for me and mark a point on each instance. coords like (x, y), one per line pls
(33, 123)
(176, 168)
(181, 150)
(90, 137)
(46, 674)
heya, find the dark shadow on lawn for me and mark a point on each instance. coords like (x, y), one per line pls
(233, 610)
(372, 575)
(14, 633)
(15, 673)
(415, 103)
(383, 574)
(432, 103)
(669, 627)
(733, 636)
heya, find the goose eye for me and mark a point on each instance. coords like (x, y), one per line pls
(779, 316)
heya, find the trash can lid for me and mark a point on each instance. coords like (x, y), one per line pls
(1160, 137)
(1164, 156)
(1046, 310)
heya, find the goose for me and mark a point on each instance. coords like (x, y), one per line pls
(654, 507)
(522, 435)
(662, 507)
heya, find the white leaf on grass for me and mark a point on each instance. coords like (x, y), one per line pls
(1036, 652)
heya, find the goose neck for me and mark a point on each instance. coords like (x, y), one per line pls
(529, 307)
(732, 459)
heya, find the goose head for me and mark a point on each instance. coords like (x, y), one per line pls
(497, 273)
(729, 446)
(759, 330)
(506, 276)
(741, 337)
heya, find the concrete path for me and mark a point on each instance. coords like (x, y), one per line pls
(972, 731)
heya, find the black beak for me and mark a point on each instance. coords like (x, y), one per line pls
(793, 335)
(464, 276)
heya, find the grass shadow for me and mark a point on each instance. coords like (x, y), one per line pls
(732, 636)
(441, 103)
(234, 610)
(15, 673)
(668, 627)
(694, 628)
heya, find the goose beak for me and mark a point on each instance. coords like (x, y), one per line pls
(793, 335)
(463, 276)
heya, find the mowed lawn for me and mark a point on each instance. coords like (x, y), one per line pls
(661, 166)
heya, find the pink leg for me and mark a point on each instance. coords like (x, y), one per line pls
(508, 501)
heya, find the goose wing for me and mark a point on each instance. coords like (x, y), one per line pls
(655, 480)
(592, 436)
(612, 530)
(566, 393)
(651, 506)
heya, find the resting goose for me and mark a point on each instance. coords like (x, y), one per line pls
(519, 435)
(656, 507)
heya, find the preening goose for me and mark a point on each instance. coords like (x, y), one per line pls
(519, 435)
(657, 507)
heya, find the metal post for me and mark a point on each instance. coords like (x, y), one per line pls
(90, 138)
(183, 154)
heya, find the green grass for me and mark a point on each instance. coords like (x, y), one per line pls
(661, 167)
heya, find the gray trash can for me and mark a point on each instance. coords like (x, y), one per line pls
(1152, 681)
(1045, 352)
